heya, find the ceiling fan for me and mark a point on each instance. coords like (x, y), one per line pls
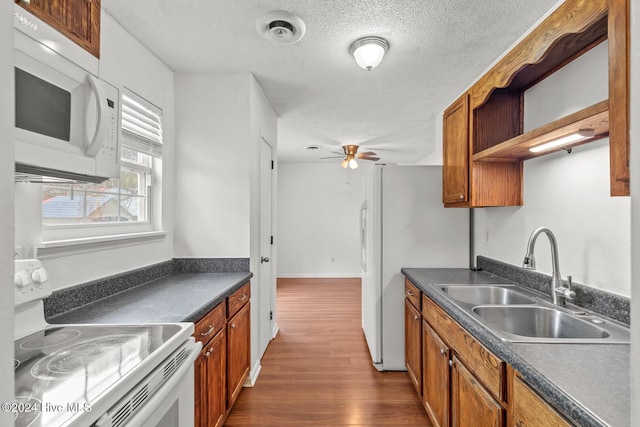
(351, 154)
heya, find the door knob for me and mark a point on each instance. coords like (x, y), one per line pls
(264, 259)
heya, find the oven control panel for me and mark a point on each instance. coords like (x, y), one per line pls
(30, 281)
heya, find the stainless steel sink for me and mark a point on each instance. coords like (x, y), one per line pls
(514, 314)
(486, 295)
(539, 322)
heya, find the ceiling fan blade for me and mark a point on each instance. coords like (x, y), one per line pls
(332, 157)
(369, 158)
(337, 152)
(366, 153)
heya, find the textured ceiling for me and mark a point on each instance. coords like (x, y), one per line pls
(437, 48)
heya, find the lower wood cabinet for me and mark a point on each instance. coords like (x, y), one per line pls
(238, 357)
(463, 382)
(413, 350)
(225, 359)
(435, 380)
(529, 410)
(210, 382)
(471, 403)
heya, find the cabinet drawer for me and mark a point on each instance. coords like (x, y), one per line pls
(210, 324)
(477, 358)
(412, 293)
(530, 410)
(238, 299)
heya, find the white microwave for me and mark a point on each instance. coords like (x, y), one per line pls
(67, 120)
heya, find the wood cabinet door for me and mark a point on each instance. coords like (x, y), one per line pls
(455, 152)
(471, 404)
(210, 382)
(529, 410)
(413, 344)
(238, 353)
(435, 376)
(79, 20)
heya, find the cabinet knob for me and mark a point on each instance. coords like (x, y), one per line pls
(461, 196)
(415, 317)
(233, 326)
(442, 351)
(450, 362)
(207, 354)
(409, 293)
(264, 259)
(25, 2)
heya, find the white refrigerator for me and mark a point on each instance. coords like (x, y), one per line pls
(403, 224)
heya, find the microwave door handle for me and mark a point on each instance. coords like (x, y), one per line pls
(101, 126)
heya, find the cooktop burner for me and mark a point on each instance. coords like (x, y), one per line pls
(62, 370)
(49, 338)
(87, 357)
(26, 417)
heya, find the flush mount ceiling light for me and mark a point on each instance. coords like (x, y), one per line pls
(369, 51)
(565, 140)
(281, 27)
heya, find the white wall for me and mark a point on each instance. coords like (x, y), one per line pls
(318, 220)
(137, 69)
(569, 193)
(635, 209)
(6, 208)
(212, 199)
(221, 119)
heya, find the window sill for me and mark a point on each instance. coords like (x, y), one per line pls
(60, 248)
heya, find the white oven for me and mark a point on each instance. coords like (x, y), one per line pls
(97, 374)
(66, 118)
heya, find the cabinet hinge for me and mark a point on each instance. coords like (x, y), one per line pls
(272, 240)
(273, 164)
(271, 315)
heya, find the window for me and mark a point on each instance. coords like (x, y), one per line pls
(116, 201)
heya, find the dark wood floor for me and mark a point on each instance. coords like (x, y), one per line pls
(318, 372)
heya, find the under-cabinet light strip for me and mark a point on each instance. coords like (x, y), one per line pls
(568, 139)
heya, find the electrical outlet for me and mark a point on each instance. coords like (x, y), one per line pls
(487, 236)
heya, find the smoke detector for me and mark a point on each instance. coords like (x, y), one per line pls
(281, 27)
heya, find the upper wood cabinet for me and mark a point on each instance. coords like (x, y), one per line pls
(496, 145)
(455, 152)
(79, 20)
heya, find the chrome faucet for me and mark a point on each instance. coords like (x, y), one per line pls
(559, 293)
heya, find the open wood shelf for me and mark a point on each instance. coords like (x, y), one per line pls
(595, 117)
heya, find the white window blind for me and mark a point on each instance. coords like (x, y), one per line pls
(141, 125)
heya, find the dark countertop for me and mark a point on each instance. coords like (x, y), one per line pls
(184, 297)
(588, 383)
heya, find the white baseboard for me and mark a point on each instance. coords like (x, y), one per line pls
(321, 276)
(253, 375)
(275, 330)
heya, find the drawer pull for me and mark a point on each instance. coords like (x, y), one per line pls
(409, 293)
(204, 334)
(243, 297)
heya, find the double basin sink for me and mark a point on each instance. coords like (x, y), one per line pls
(516, 315)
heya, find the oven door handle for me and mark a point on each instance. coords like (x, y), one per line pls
(101, 121)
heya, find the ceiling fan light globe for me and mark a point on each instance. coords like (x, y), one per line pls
(353, 164)
(344, 163)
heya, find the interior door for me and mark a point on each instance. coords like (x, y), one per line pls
(267, 282)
